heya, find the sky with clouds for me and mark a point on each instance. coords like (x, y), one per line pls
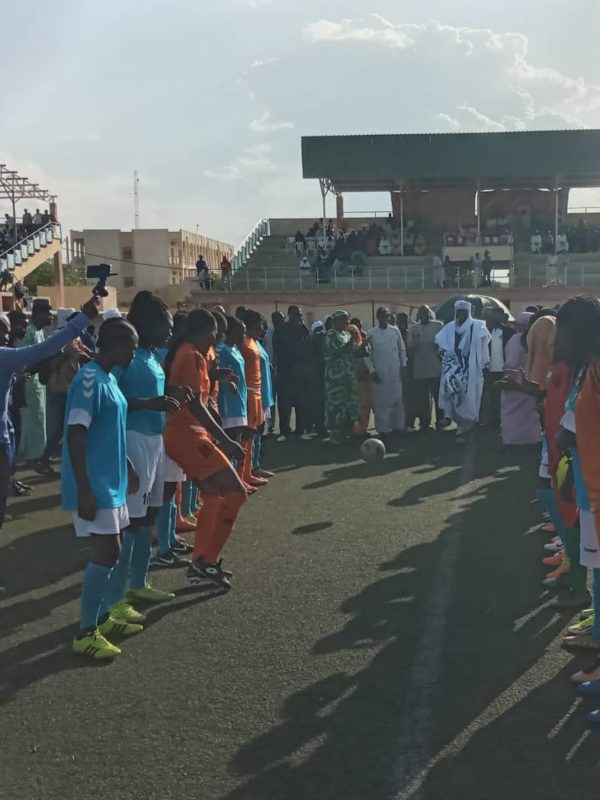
(208, 100)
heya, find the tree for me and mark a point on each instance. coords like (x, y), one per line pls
(44, 276)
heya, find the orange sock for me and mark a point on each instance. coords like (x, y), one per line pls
(247, 474)
(227, 515)
(207, 518)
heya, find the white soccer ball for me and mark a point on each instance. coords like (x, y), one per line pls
(372, 450)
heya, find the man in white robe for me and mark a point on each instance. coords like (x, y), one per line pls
(386, 362)
(464, 344)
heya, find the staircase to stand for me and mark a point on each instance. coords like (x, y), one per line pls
(21, 258)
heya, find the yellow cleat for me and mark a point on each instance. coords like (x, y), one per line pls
(94, 645)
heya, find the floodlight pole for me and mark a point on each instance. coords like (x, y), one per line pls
(478, 211)
(401, 220)
(555, 214)
(323, 185)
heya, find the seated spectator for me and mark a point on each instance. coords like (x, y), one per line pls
(548, 244)
(396, 245)
(535, 243)
(339, 266)
(45, 217)
(420, 245)
(385, 246)
(562, 243)
(37, 219)
(299, 237)
(305, 264)
(357, 262)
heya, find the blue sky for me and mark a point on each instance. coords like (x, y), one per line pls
(208, 100)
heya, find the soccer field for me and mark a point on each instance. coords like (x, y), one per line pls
(387, 636)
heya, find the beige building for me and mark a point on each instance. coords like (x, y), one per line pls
(147, 258)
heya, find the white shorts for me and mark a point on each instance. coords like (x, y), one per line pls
(589, 550)
(147, 454)
(108, 521)
(173, 472)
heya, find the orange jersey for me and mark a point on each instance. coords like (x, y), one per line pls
(212, 361)
(189, 368)
(251, 353)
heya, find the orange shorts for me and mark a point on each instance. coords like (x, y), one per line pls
(197, 455)
(256, 415)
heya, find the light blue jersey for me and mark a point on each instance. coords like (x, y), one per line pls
(232, 406)
(95, 401)
(143, 378)
(266, 382)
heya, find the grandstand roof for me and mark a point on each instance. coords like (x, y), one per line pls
(522, 159)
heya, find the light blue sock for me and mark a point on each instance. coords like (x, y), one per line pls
(256, 451)
(187, 493)
(164, 522)
(173, 524)
(119, 576)
(140, 557)
(93, 589)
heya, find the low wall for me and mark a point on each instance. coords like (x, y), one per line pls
(363, 304)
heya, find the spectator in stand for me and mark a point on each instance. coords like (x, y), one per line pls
(535, 243)
(304, 264)
(45, 217)
(203, 273)
(37, 219)
(226, 272)
(420, 245)
(300, 237)
(562, 243)
(385, 246)
(357, 261)
(548, 246)
(27, 221)
(486, 269)
(6, 280)
(439, 274)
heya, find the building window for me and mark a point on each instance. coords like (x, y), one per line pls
(128, 283)
(127, 253)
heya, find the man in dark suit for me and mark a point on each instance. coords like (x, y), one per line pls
(501, 333)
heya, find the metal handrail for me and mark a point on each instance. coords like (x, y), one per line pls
(243, 252)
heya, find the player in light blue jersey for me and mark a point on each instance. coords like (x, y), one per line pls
(96, 478)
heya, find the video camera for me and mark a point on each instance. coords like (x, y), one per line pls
(101, 273)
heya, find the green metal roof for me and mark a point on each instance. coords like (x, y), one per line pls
(532, 159)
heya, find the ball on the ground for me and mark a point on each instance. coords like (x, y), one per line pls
(372, 450)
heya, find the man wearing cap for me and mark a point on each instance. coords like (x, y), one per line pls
(464, 344)
(33, 415)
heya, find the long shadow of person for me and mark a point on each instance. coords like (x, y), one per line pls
(369, 734)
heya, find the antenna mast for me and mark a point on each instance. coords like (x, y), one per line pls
(136, 199)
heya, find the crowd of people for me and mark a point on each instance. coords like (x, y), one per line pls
(12, 230)
(162, 419)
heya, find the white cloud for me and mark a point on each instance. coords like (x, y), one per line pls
(347, 31)
(264, 124)
(249, 163)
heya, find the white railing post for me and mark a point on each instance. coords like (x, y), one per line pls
(352, 280)
(282, 279)
(422, 277)
(582, 274)
(388, 277)
(300, 280)
(266, 283)
(335, 278)
(529, 271)
(405, 278)
(370, 278)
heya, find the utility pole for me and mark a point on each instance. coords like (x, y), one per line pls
(136, 200)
